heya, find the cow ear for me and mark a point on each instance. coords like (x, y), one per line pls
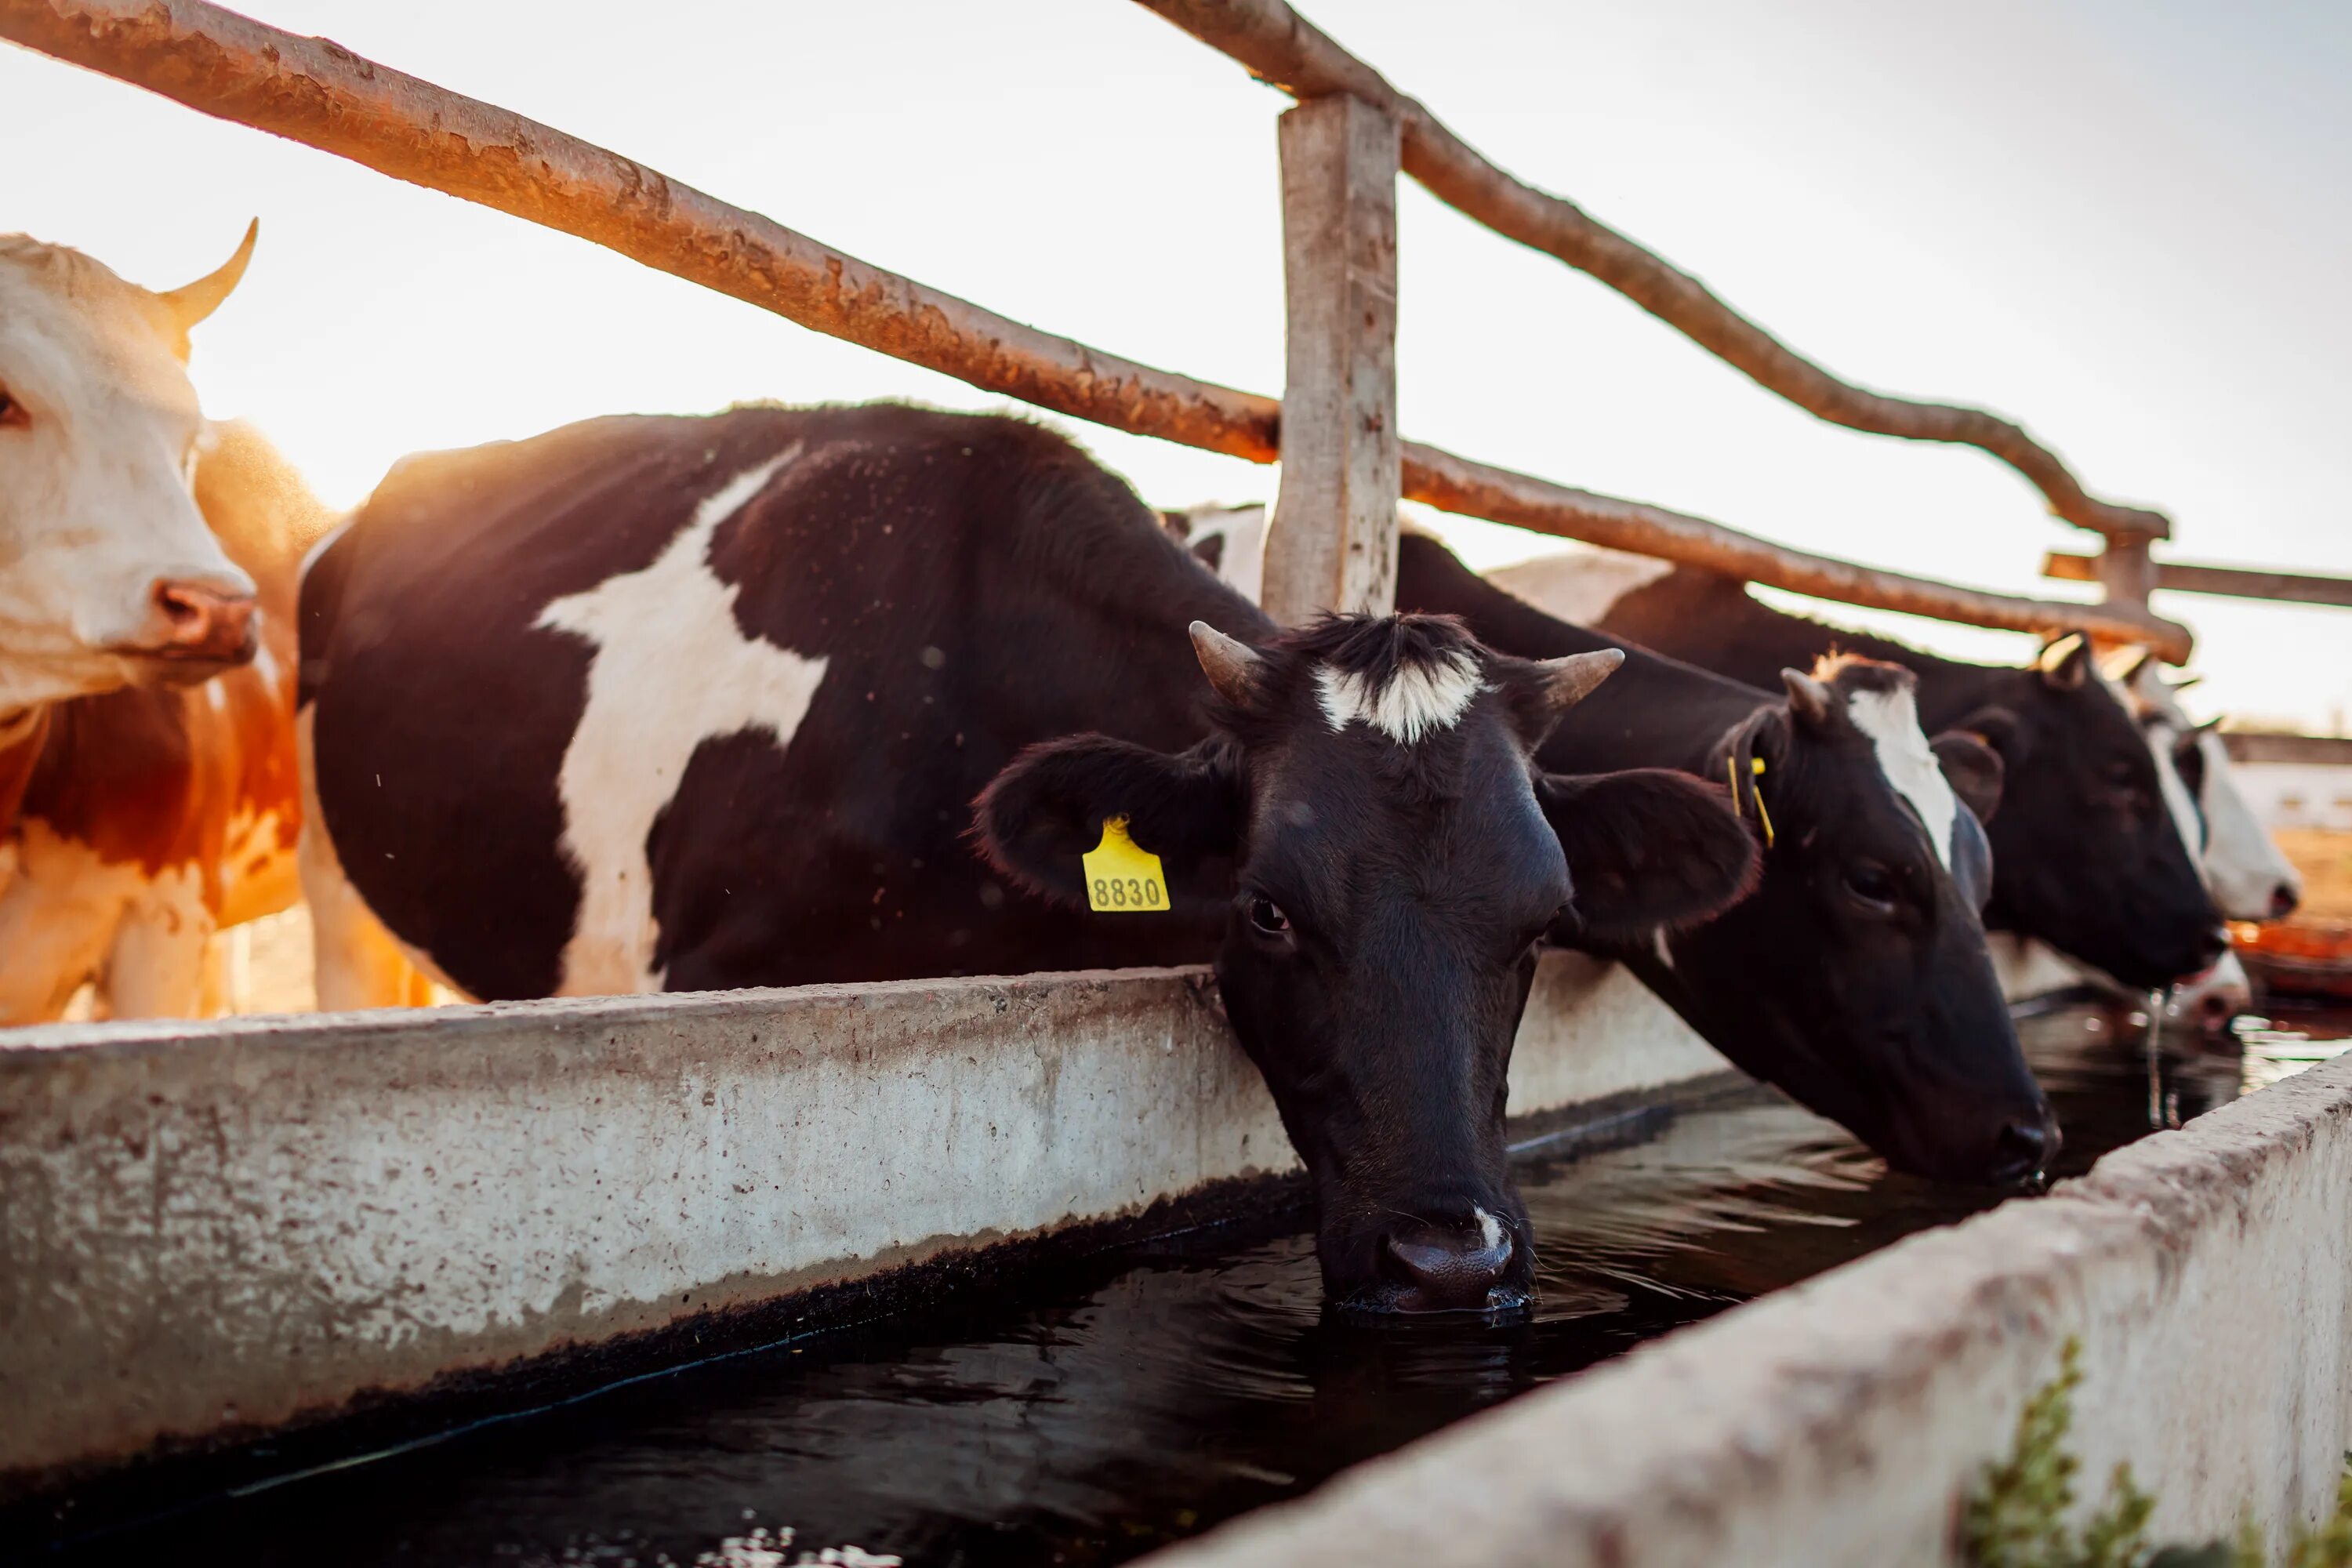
(1647, 849)
(2065, 664)
(1047, 808)
(2000, 729)
(1975, 770)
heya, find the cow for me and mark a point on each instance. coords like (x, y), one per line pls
(1857, 977)
(2088, 852)
(148, 795)
(109, 576)
(680, 703)
(2249, 878)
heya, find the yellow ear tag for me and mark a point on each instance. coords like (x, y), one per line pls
(1731, 774)
(1123, 879)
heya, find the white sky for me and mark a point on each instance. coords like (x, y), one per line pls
(2121, 221)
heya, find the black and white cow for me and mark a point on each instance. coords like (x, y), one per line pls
(2088, 848)
(685, 703)
(1856, 976)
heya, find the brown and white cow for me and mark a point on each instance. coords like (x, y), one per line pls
(147, 567)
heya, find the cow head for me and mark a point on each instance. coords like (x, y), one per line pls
(1384, 857)
(107, 575)
(1856, 976)
(2249, 879)
(2091, 855)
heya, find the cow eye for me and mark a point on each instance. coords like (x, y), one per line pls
(1871, 885)
(12, 412)
(1268, 917)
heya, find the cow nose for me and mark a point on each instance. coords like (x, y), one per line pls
(2282, 901)
(1444, 1269)
(2026, 1148)
(2215, 1009)
(200, 621)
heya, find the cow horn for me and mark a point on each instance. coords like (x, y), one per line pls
(192, 302)
(2124, 664)
(2065, 662)
(1568, 681)
(1809, 699)
(1231, 665)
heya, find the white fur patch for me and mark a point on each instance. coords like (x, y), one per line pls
(671, 671)
(67, 915)
(1891, 720)
(1579, 587)
(1490, 1229)
(1421, 698)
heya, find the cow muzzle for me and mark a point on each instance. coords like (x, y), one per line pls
(196, 627)
(1474, 1264)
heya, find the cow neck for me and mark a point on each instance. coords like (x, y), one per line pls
(1655, 711)
(1715, 622)
(1137, 678)
(22, 735)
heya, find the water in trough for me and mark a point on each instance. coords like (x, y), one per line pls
(1144, 1395)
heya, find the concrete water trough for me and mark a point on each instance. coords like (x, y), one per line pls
(373, 1224)
(214, 1231)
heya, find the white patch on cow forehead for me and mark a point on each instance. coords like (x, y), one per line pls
(1421, 697)
(671, 671)
(1891, 720)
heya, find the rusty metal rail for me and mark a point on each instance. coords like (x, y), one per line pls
(1284, 49)
(319, 93)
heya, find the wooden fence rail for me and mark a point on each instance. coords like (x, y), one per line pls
(2228, 582)
(1284, 49)
(319, 93)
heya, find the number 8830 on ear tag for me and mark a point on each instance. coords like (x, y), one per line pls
(1123, 877)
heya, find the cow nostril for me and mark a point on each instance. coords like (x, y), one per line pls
(2282, 901)
(180, 607)
(200, 620)
(2027, 1147)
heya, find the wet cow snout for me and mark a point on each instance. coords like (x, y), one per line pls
(1445, 1269)
(2026, 1148)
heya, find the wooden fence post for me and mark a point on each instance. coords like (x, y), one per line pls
(1332, 541)
(2126, 572)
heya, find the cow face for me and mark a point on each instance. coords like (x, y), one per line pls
(107, 575)
(2092, 858)
(1857, 977)
(2249, 879)
(1385, 857)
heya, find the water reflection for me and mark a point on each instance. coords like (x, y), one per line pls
(1139, 1397)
